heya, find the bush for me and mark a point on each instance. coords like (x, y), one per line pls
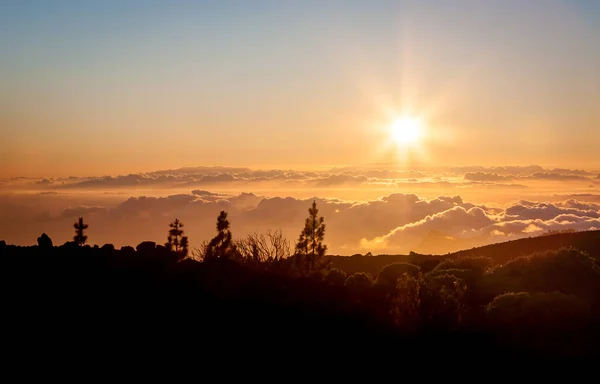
(551, 323)
(566, 270)
(476, 264)
(536, 309)
(389, 275)
(336, 277)
(107, 248)
(443, 299)
(44, 241)
(146, 247)
(358, 282)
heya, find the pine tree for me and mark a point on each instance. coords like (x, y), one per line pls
(310, 242)
(176, 242)
(221, 246)
(79, 237)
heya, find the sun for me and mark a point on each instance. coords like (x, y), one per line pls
(407, 130)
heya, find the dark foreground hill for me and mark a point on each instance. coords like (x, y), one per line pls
(92, 302)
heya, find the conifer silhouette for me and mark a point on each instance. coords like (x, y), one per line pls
(221, 245)
(310, 242)
(176, 241)
(79, 237)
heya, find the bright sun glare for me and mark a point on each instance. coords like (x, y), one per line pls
(407, 130)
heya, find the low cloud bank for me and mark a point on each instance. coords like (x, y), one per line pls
(396, 223)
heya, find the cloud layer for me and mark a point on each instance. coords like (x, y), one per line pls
(379, 176)
(374, 208)
(461, 227)
(395, 223)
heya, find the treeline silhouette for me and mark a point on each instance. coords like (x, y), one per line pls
(238, 294)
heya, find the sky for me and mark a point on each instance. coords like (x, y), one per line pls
(117, 87)
(427, 126)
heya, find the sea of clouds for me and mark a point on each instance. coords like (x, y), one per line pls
(370, 209)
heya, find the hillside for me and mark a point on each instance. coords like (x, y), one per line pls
(151, 299)
(373, 264)
(499, 252)
(588, 241)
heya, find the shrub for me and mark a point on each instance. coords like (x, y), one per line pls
(477, 264)
(336, 276)
(566, 270)
(358, 282)
(389, 274)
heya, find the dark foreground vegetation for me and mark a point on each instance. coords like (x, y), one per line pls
(153, 299)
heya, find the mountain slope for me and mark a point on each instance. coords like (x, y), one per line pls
(499, 252)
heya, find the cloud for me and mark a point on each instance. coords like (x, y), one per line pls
(503, 170)
(525, 210)
(587, 197)
(460, 227)
(148, 207)
(82, 210)
(378, 176)
(454, 222)
(213, 179)
(202, 170)
(340, 179)
(483, 176)
(580, 172)
(444, 213)
(395, 223)
(556, 176)
(130, 180)
(206, 194)
(548, 176)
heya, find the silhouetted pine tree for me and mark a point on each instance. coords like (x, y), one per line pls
(184, 245)
(79, 237)
(310, 242)
(220, 246)
(176, 242)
